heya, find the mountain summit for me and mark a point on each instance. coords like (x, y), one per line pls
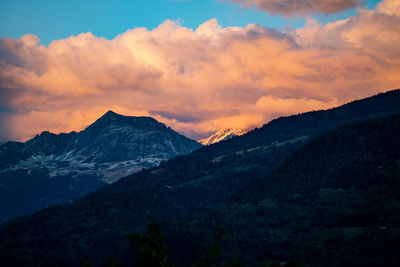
(114, 138)
(60, 167)
(221, 135)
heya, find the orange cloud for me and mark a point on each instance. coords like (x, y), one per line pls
(197, 81)
(300, 7)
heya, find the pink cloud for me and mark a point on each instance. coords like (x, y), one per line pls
(300, 7)
(197, 81)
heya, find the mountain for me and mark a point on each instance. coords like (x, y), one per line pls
(185, 187)
(313, 123)
(334, 202)
(53, 168)
(221, 135)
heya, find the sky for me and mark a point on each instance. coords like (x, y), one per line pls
(197, 65)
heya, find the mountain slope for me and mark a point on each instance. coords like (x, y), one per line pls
(115, 137)
(256, 153)
(54, 168)
(334, 202)
(312, 123)
(184, 186)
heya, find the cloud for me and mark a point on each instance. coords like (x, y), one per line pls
(196, 81)
(390, 7)
(301, 7)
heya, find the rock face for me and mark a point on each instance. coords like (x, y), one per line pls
(119, 138)
(51, 168)
(221, 136)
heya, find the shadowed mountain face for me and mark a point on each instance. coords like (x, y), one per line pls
(204, 182)
(118, 138)
(334, 202)
(52, 168)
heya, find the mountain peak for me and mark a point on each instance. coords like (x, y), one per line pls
(221, 135)
(113, 115)
(115, 137)
(110, 114)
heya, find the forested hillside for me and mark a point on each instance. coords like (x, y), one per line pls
(334, 202)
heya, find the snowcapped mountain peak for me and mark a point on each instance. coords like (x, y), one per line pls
(221, 135)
